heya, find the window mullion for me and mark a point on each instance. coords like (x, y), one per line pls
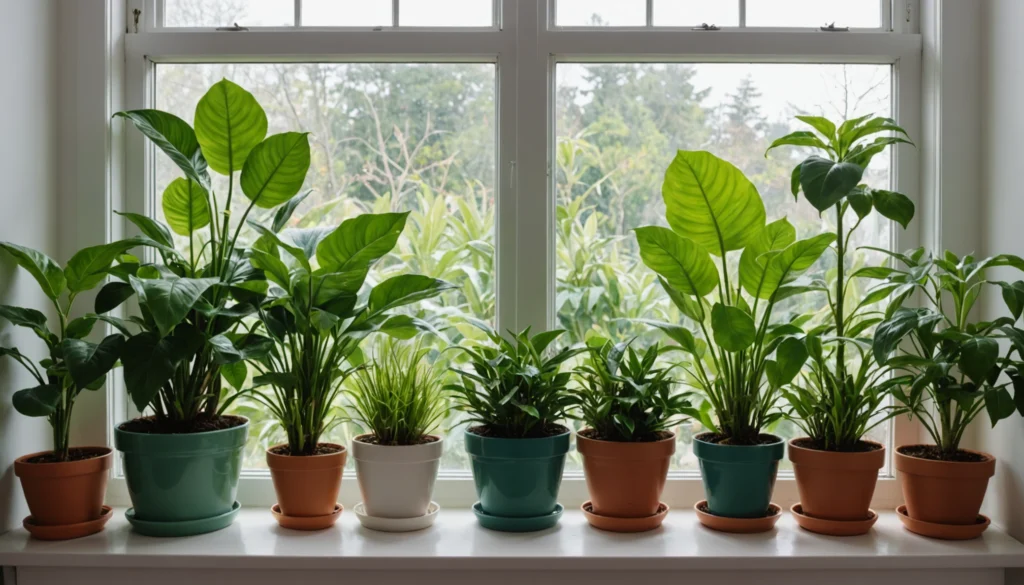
(743, 13)
(298, 13)
(395, 12)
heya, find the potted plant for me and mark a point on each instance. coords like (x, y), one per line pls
(628, 406)
(844, 393)
(182, 462)
(64, 487)
(954, 369)
(515, 395)
(713, 209)
(398, 400)
(317, 319)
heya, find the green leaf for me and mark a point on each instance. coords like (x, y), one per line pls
(80, 327)
(89, 361)
(228, 351)
(307, 239)
(151, 228)
(186, 206)
(24, 317)
(88, 267)
(680, 335)
(284, 214)
(826, 182)
(687, 305)
(686, 266)
(733, 329)
(895, 206)
(169, 301)
(149, 361)
(46, 272)
(38, 401)
(235, 374)
(860, 202)
(360, 241)
(891, 331)
(790, 357)
(403, 290)
(111, 296)
(280, 379)
(756, 256)
(276, 169)
(711, 202)
(793, 261)
(799, 138)
(823, 125)
(176, 138)
(978, 355)
(1013, 296)
(999, 405)
(229, 124)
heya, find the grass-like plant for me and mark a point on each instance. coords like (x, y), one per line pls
(627, 396)
(399, 397)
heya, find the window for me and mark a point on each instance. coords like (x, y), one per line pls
(324, 13)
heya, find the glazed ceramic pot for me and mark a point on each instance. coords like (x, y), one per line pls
(517, 478)
(307, 485)
(625, 479)
(396, 481)
(944, 492)
(65, 493)
(738, 479)
(836, 485)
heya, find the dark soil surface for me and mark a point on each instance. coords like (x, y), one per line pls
(933, 453)
(373, 440)
(717, 439)
(703, 507)
(73, 455)
(151, 425)
(658, 436)
(548, 431)
(859, 447)
(321, 449)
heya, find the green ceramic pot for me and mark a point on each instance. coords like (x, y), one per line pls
(738, 480)
(182, 479)
(518, 478)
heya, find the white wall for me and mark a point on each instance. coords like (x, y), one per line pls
(28, 210)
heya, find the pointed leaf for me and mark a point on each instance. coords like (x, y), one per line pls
(235, 374)
(38, 401)
(686, 266)
(111, 296)
(150, 228)
(403, 290)
(792, 262)
(895, 206)
(175, 137)
(149, 361)
(733, 329)
(87, 361)
(46, 272)
(360, 241)
(169, 301)
(284, 214)
(826, 182)
(229, 124)
(186, 207)
(977, 357)
(755, 258)
(88, 267)
(276, 169)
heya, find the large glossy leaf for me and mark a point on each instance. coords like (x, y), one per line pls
(793, 261)
(228, 351)
(38, 401)
(111, 296)
(25, 317)
(186, 206)
(149, 361)
(711, 202)
(88, 267)
(235, 374)
(175, 137)
(759, 252)
(276, 169)
(46, 272)
(335, 292)
(733, 328)
(168, 301)
(826, 182)
(308, 238)
(151, 228)
(686, 266)
(799, 138)
(790, 357)
(229, 124)
(360, 241)
(823, 125)
(284, 214)
(977, 357)
(895, 206)
(890, 332)
(89, 361)
(403, 290)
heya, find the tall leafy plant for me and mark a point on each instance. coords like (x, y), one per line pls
(715, 211)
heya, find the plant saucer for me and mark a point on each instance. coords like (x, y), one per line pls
(833, 527)
(738, 525)
(67, 531)
(615, 524)
(307, 522)
(943, 531)
(509, 524)
(397, 524)
(182, 527)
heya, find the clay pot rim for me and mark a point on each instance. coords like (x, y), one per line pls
(846, 460)
(949, 469)
(55, 469)
(419, 453)
(602, 449)
(307, 462)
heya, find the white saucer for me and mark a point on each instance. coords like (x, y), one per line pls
(397, 524)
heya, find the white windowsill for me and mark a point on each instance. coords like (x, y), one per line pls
(456, 542)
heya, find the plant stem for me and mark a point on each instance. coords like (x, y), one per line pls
(840, 293)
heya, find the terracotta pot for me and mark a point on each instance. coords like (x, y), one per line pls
(625, 480)
(834, 485)
(307, 485)
(944, 492)
(60, 494)
(396, 481)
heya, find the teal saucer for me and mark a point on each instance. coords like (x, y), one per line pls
(507, 524)
(184, 527)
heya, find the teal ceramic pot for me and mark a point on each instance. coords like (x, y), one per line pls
(182, 478)
(517, 478)
(738, 480)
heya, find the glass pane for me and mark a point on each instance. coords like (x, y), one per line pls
(446, 13)
(601, 12)
(213, 13)
(346, 12)
(384, 137)
(815, 13)
(618, 127)
(696, 12)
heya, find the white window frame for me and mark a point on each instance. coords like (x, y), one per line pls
(525, 49)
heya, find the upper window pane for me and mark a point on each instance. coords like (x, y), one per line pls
(815, 13)
(213, 13)
(601, 12)
(346, 12)
(696, 12)
(446, 13)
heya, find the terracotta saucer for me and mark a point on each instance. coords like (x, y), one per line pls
(307, 522)
(67, 531)
(833, 527)
(738, 525)
(613, 524)
(943, 531)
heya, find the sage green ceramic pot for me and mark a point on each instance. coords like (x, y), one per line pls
(180, 483)
(518, 478)
(738, 480)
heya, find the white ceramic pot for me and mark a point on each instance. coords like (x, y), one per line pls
(396, 481)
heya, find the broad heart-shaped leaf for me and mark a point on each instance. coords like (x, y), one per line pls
(826, 182)
(861, 202)
(235, 374)
(149, 361)
(895, 206)
(89, 361)
(403, 290)
(88, 267)
(168, 301)
(276, 169)
(38, 401)
(789, 357)
(360, 241)
(711, 202)
(756, 256)
(111, 296)
(80, 328)
(733, 329)
(229, 124)
(999, 405)
(684, 264)
(284, 214)
(186, 207)
(793, 261)
(155, 230)
(176, 138)
(46, 272)
(977, 357)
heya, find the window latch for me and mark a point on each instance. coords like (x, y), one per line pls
(831, 27)
(234, 28)
(136, 13)
(706, 26)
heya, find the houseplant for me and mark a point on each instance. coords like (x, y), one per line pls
(398, 400)
(317, 319)
(953, 370)
(844, 393)
(628, 405)
(515, 394)
(182, 462)
(713, 209)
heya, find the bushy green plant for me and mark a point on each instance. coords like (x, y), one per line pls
(628, 396)
(399, 397)
(511, 387)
